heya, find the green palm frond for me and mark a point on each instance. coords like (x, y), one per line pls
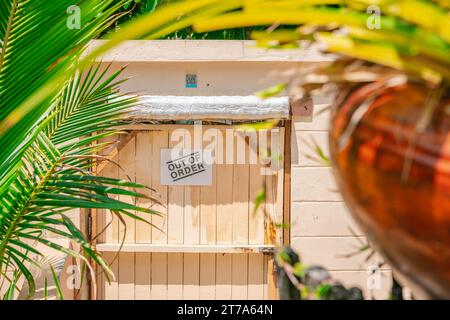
(53, 175)
(39, 50)
(86, 107)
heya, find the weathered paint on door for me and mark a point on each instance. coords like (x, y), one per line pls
(205, 246)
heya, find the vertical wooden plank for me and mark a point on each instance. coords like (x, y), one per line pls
(160, 141)
(191, 277)
(270, 232)
(143, 276)
(240, 195)
(272, 290)
(224, 205)
(255, 276)
(175, 207)
(191, 209)
(175, 276)
(143, 165)
(143, 161)
(127, 232)
(270, 236)
(111, 289)
(126, 276)
(256, 186)
(208, 200)
(126, 161)
(256, 215)
(239, 276)
(192, 215)
(175, 233)
(207, 276)
(223, 276)
(159, 276)
(265, 279)
(279, 194)
(105, 217)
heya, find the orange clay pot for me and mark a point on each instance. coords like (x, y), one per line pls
(396, 180)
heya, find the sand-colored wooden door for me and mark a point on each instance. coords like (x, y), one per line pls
(210, 242)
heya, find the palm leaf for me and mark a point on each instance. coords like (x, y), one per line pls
(52, 176)
(57, 284)
(38, 46)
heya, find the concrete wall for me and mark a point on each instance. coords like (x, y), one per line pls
(319, 219)
(322, 229)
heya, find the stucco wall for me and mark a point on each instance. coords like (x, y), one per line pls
(320, 221)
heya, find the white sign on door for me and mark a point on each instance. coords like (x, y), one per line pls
(186, 167)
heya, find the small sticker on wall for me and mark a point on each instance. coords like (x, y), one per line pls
(191, 80)
(186, 167)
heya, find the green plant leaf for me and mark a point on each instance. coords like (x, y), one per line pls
(151, 5)
(51, 178)
(272, 91)
(57, 284)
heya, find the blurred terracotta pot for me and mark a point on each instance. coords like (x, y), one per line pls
(393, 169)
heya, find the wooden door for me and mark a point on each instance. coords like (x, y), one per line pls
(211, 243)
